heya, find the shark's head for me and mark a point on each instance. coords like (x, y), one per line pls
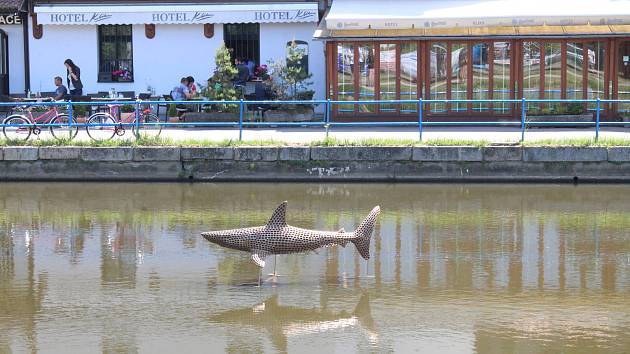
(238, 239)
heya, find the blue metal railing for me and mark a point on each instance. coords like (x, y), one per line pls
(326, 121)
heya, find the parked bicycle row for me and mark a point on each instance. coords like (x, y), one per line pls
(100, 126)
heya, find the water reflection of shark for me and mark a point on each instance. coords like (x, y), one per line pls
(283, 322)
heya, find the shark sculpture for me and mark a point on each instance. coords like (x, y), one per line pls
(276, 237)
(284, 322)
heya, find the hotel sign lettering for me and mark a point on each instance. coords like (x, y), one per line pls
(177, 17)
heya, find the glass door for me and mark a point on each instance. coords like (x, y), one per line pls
(4, 63)
(623, 78)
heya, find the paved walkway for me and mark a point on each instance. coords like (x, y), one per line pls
(305, 135)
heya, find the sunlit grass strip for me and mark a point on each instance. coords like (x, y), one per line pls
(330, 141)
(580, 142)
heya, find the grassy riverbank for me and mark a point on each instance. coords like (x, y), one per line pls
(159, 141)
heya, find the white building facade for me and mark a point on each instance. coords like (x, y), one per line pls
(12, 48)
(143, 46)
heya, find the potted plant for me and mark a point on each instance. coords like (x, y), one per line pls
(122, 75)
(290, 83)
(219, 88)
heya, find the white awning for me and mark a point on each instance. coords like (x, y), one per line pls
(176, 14)
(408, 14)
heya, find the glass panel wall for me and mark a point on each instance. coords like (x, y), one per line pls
(345, 76)
(366, 78)
(596, 67)
(501, 76)
(623, 78)
(437, 72)
(531, 73)
(409, 75)
(553, 75)
(387, 75)
(481, 76)
(459, 76)
(575, 70)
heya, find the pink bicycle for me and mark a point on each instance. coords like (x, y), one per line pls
(20, 126)
(104, 125)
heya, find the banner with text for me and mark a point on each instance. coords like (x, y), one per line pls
(47, 17)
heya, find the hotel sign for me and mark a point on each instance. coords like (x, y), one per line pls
(176, 17)
(10, 19)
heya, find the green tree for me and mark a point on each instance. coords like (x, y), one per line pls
(290, 79)
(220, 86)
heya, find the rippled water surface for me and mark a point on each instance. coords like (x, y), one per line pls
(454, 269)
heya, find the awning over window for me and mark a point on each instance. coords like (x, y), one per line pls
(435, 14)
(176, 14)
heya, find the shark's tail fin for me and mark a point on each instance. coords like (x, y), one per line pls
(363, 233)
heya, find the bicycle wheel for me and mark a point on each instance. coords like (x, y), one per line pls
(97, 131)
(149, 126)
(61, 132)
(20, 128)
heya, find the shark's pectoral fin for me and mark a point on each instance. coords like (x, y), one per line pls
(258, 256)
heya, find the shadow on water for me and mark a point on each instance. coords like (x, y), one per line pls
(283, 322)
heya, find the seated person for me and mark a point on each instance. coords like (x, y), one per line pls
(61, 92)
(191, 85)
(243, 73)
(181, 92)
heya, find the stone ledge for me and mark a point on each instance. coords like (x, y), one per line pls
(59, 152)
(107, 154)
(564, 154)
(358, 153)
(20, 153)
(157, 154)
(298, 153)
(502, 153)
(447, 153)
(619, 154)
(207, 153)
(256, 153)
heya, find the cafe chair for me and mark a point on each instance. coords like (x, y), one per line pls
(128, 94)
(5, 111)
(95, 97)
(84, 99)
(164, 105)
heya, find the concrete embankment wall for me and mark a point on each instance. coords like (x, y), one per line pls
(365, 164)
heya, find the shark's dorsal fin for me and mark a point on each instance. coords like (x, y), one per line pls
(342, 230)
(278, 218)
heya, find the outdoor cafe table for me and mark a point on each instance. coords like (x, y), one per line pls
(33, 99)
(112, 99)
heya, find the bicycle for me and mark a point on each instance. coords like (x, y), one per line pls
(103, 126)
(21, 126)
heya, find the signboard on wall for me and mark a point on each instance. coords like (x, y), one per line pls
(58, 15)
(10, 19)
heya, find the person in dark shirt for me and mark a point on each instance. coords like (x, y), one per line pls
(243, 72)
(61, 92)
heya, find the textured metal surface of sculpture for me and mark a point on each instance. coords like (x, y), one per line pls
(276, 237)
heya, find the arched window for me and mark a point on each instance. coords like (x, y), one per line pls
(296, 47)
